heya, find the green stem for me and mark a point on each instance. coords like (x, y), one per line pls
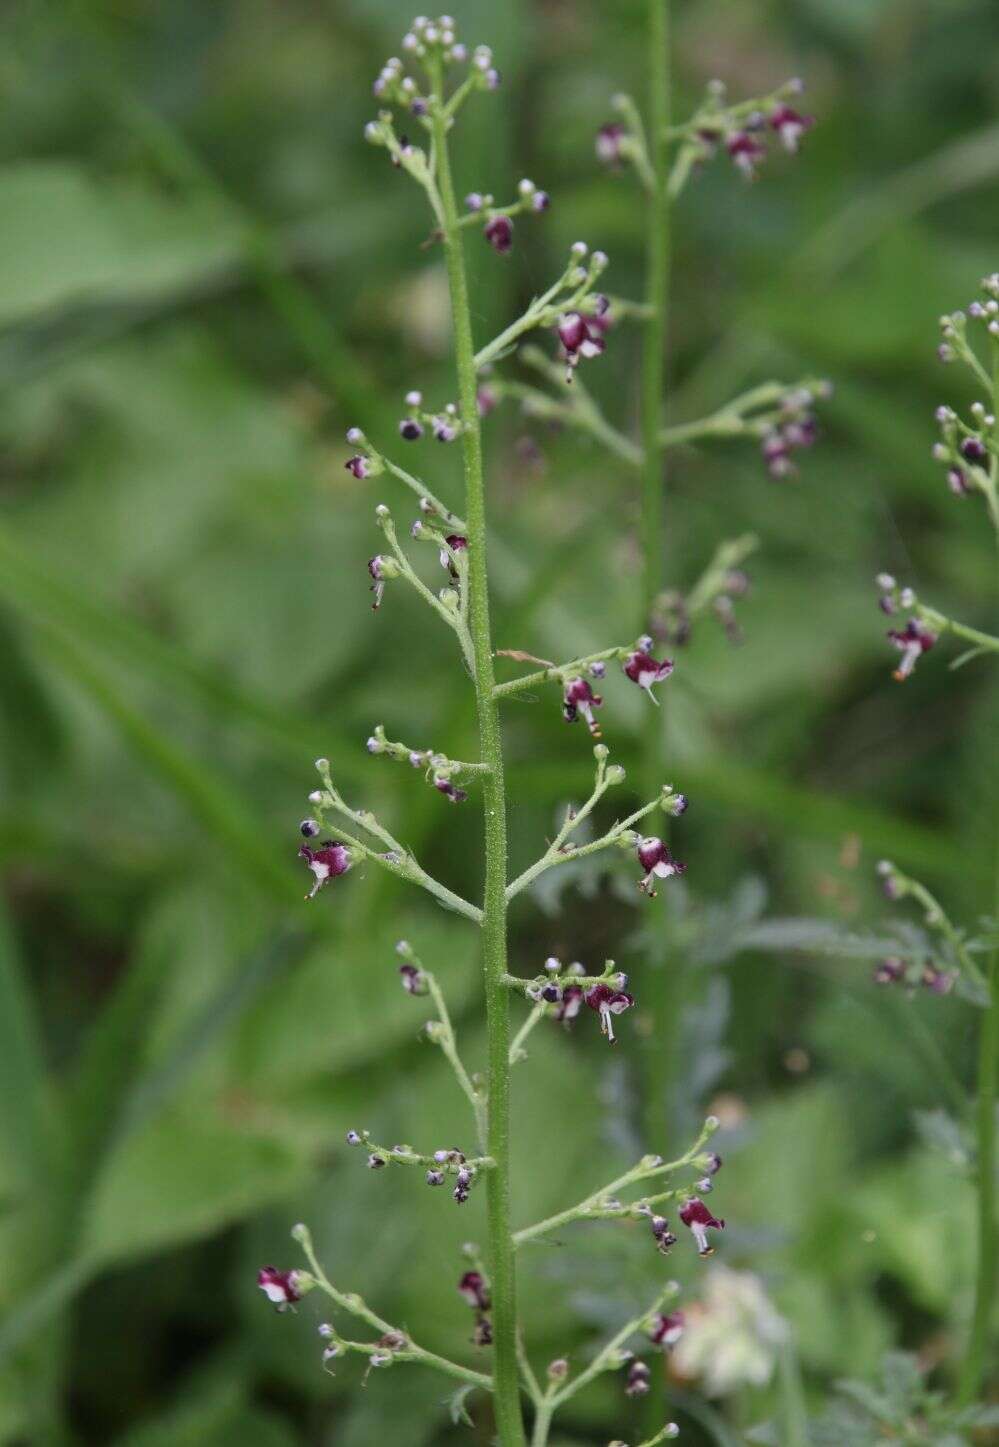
(657, 281)
(976, 1356)
(509, 1421)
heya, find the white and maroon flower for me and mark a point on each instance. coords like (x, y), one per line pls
(746, 152)
(645, 670)
(410, 429)
(608, 144)
(472, 1287)
(699, 1220)
(570, 1004)
(658, 863)
(358, 465)
(449, 790)
(789, 126)
(608, 1003)
(667, 1329)
(283, 1288)
(936, 980)
(326, 862)
(498, 231)
(664, 1237)
(913, 641)
(580, 337)
(889, 971)
(638, 1382)
(414, 982)
(580, 700)
(457, 543)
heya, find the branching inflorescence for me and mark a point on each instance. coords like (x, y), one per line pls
(430, 87)
(969, 451)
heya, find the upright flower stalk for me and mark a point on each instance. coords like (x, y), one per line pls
(506, 1389)
(968, 449)
(574, 312)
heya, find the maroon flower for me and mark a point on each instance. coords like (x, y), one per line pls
(974, 450)
(644, 670)
(957, 482)
(483, 1333)
(608, 1003)
(472, 1287)
(498, 231)
(889, 971)
(457, 544)
(413, 980)
(638, 1380)
(449, 790)
(281, 1287)
(580, 338)
(913, 641)
(658, 863)
(358, 465)
(608, 144)
(664, 1237)
(326, 862)
(790, 126)
(570, 1004)
(579, 699)
(937, 981)
(746, 152)
(381, 569)
(695, 1215)
(410, 430)
(667, 1328)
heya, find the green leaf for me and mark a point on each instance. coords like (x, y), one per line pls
(26, 1109)
(66, 239)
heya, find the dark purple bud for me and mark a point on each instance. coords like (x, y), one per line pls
(375, 1161)
(696, 1216)
(326, 862)
(358, 465)
(540, 201)
(712, 1163)
(974, 450)
(410, 430)
(498, 231)
(309, 828)
(354, 1138)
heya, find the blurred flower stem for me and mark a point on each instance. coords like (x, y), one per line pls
(663, 994)
(977, 1355)
(661, 1000)
(506, 1378)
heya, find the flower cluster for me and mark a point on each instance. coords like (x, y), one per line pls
(498, 220)
(915, 638)
(742, 129)
(439, 770)
(579, 700)
(439, 1165)
(793, 430)
(893, 970)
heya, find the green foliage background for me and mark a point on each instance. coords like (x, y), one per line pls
(205, 275)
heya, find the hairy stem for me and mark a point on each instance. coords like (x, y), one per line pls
(509, 1421)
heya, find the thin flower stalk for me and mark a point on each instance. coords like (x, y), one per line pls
(409, 1351)
(444, 1036)
(602, 1204)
